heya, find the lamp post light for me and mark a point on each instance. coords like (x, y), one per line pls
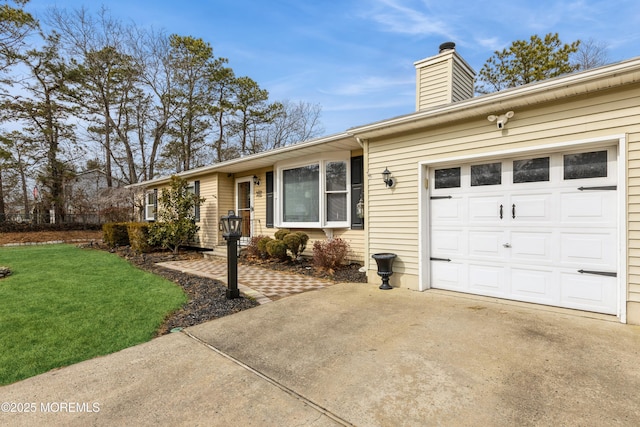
(232, 231)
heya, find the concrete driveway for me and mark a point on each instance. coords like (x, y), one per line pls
(351, 354)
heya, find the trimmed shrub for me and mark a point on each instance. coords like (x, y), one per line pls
(139, 236)
(304, 238)
(279, 235)
(115, 234)
(296, 243)
(329, 254)
(277, 249)
(262, 246)
(292, 241)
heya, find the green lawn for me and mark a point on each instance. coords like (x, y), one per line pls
(62, 305)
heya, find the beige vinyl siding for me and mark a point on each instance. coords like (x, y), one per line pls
(226, 195)
(218, 189)
(226, 201)
(633, 226)
(355, 238)
(434, 85)
(462, 87)
(393, 217)
(260, 205)
(209, 212)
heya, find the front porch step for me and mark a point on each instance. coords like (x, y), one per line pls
(219, 251)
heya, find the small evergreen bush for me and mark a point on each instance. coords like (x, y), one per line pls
(115, 234)
(304, 238)
(292, 240)
(279, 235)
(277, 249)
(138, 233)
(296, 243)
(262, 246)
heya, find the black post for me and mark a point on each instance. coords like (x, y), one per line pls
(232, 268)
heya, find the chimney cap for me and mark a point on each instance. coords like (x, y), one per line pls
(447, 46)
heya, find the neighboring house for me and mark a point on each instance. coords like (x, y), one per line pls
(529, 194)
(88, 197)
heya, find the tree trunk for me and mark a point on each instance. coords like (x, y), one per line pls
(2, 214)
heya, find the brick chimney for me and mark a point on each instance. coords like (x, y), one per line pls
(443, 79)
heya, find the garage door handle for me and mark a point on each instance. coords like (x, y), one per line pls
(606, 187)
(513, 211)
(599, 273)
(500, 211)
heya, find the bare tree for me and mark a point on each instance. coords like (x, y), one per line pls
(105, 81)
(590, 54)
(298, 122)
(152, 49)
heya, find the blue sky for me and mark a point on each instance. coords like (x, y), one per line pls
(355, 57)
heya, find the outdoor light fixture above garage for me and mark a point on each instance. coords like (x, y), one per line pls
(501, 120)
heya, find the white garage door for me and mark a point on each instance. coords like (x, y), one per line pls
(540, 229)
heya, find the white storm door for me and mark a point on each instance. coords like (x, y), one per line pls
(244, 207)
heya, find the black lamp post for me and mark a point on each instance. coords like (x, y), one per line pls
(232, 231)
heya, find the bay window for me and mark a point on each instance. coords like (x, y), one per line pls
(314, 194)
(336, 191)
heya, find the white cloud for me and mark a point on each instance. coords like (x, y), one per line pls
(368, 85)
(492, 43)
(396, 17)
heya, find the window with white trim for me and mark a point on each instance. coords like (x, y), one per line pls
(194, 188)
(314, 194)
(150, 205)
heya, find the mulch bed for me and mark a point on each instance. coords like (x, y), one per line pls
(207, 297)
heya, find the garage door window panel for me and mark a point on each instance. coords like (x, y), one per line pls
(531, 170)
(487, 174)
(447, 178)
(585, 165)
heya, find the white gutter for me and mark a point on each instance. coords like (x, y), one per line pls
(247, 161)
(601, 78)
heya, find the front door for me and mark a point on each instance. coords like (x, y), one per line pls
(244, 207)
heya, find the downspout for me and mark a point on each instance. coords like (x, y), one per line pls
(364, 143)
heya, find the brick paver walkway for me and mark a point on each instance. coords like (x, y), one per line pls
(260, 283)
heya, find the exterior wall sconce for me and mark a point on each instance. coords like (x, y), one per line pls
(386, 177)
(360, 207)
(256, 180)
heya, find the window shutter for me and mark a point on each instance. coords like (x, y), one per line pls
(155, 204)
(357, 190)
(196, 191)
(269, 179)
